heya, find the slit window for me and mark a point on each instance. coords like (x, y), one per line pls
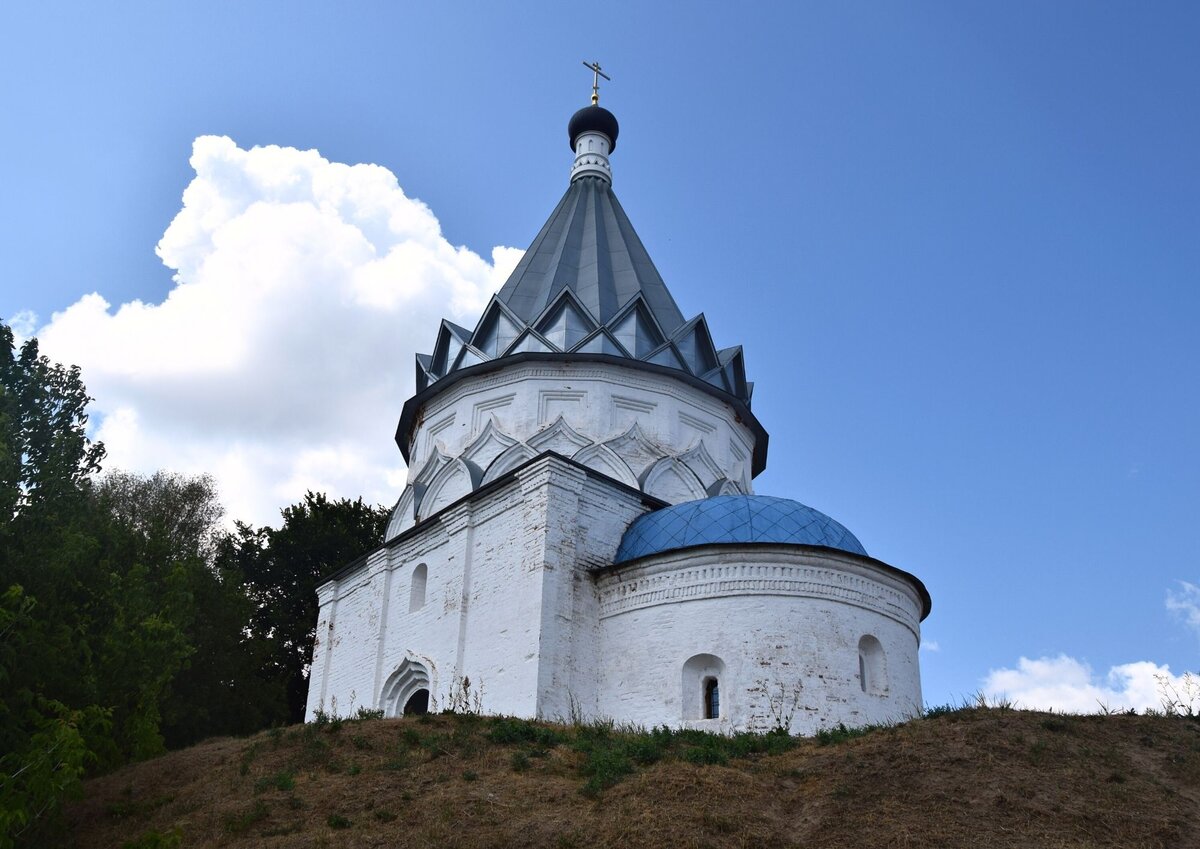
(712, 698)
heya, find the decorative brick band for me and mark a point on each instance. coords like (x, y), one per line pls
(757, 572)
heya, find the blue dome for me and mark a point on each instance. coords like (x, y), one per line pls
(733, 519)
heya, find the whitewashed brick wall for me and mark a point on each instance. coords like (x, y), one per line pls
(514, 603)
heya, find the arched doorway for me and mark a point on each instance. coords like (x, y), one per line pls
(407, 690)
(417, 704)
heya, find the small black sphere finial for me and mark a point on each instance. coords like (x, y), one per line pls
(593, 119)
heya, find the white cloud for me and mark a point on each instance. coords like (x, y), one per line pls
(1065, 684)
(23, 325)
(280, 359)
(930, 646)
(1185, 603)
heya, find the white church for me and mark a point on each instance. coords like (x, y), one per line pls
(579, 536)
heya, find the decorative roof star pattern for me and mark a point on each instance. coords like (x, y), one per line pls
(734, 519)
(587, 285)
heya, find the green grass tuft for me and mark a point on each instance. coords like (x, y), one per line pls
(279, 781)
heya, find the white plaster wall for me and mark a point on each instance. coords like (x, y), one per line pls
(598, 400)
(514, 603)
(508, 603)
(671, 439)
(585, 518)
(778, 617)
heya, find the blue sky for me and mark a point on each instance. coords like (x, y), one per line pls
(958, 242)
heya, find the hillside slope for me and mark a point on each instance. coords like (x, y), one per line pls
(971, 777)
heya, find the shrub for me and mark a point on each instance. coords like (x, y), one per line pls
(279, 781)
(840, 734)
(709, 754)
(508, 730)
(605, 762)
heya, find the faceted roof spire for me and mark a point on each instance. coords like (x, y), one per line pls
(587, 287)
(589, 246)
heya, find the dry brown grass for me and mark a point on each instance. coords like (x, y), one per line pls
(973, 777)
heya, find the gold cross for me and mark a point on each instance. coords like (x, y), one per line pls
(594, 67)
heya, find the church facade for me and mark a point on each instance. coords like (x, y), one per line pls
(579, 537)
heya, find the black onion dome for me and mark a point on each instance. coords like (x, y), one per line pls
(594, 119)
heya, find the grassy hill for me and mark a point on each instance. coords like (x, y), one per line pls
(974, 777)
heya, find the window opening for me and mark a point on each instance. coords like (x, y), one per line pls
(712, 698)
(700, 693)
(416, 597)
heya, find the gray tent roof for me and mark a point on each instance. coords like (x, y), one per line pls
(589, 246)
(587, 287)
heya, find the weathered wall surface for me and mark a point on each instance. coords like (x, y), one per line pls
(506, 606)
(650, 432)
(514, 603)
(786, 623)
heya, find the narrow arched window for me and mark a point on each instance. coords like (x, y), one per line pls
(416, 594)
(702, 674)
(712, 698)
(872, 666)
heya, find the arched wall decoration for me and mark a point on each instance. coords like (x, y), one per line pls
(425, 475)
(672, 481)
(403, 515)
(509, 460)
(703, 466)
(456, 479)
(411, 676)
(725, 487)
(558, 437)
(636, 449)
(872, 666)
(606, 462)
(490, 444)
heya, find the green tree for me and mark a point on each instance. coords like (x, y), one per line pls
(281, 569)
(173, 522)
(45, 455)
(47, 724)
(129, 619)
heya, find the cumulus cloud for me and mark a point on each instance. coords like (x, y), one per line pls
(23, 325)
(1185, 603)
(1066, 684)
(281, 357)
